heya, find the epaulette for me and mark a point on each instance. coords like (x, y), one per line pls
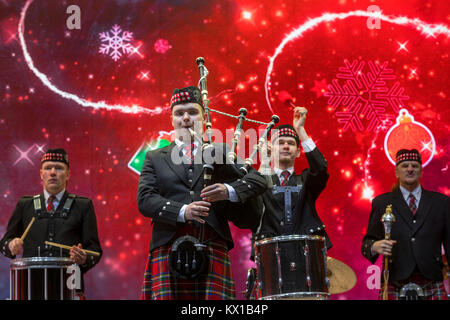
(37, 204)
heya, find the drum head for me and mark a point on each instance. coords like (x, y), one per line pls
(40, 263)
(292, 237)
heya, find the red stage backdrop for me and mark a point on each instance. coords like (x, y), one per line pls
(96, 79)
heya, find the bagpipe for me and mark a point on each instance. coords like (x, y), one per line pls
(188, 256)
(207, 143)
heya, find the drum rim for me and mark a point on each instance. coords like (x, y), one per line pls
(40, 262)
(289, 238)
(296, 295)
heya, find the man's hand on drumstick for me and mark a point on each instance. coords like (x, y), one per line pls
(299, 117)
(298, 122)
(15, 246)
(78, 255)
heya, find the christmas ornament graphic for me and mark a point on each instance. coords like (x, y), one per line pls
(409, 134)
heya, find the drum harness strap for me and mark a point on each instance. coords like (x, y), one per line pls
(287, 190)
(57, 214)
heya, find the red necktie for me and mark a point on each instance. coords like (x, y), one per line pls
(412, 203)
(285, 177)
(50, 207)
(190, 152)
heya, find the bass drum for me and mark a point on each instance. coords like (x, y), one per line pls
(292, 267)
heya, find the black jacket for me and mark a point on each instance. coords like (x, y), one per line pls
(78, 226)
(419, 239)
(164, 187)
(306, 220)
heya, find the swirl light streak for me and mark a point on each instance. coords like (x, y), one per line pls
(134, 109)
(428, 30)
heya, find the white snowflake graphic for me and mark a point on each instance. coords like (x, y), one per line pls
(118, 43)
(364, 96)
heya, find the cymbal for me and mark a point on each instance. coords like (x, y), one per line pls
(342, 277)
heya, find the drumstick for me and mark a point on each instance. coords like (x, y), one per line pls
(69, 248)
(27, 229)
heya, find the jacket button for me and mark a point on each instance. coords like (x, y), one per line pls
(160, 214)
(413, 239)
(414, 221)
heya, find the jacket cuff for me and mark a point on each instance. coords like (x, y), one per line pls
(5, 250)
(243, 189)
(169, 212)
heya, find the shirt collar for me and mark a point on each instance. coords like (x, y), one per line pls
(278, 171)
(417, 192)
(58, 195)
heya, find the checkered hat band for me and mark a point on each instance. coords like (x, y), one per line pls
(408, 157)
(53, 157)
(179, 97)
(285, 132)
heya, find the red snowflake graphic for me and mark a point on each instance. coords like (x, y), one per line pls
(364, 96)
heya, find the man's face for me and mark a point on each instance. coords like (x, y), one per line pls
(54, 176)
(284, 151)
(187, 116)
(409, 173)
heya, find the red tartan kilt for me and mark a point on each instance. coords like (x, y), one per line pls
(216, 284)
(431, 291)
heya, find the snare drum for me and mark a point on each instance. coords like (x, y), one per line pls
(41, 278)
(292, 267)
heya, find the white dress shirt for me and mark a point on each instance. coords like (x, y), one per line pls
(57, 199)
(417, 193)
(278, 172)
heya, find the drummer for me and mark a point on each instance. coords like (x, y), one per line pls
(60, 217)
(294, 214)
